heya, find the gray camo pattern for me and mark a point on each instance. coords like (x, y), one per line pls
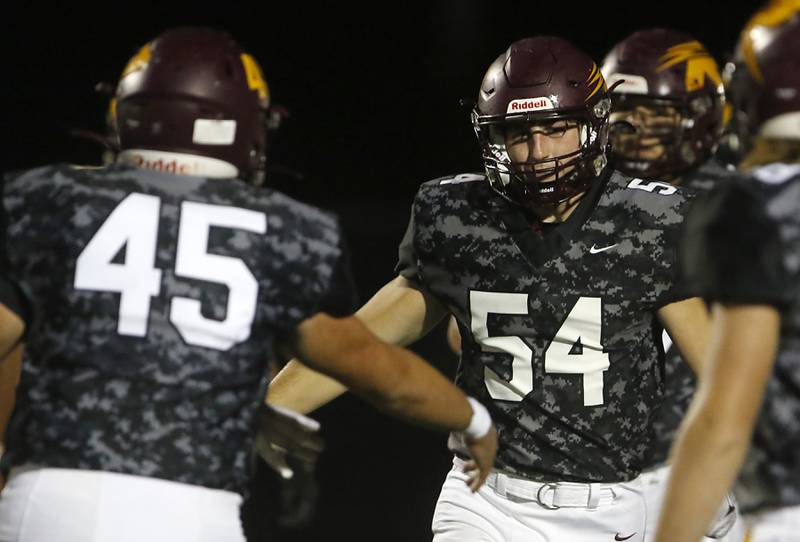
(680, 378)
(771, 475)
(157, 406)
(456, 243)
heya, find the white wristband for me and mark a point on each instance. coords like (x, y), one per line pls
(480, 423)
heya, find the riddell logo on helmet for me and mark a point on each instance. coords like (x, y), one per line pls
(166, 165)
(529, 104)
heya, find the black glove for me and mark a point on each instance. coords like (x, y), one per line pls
(290, 444)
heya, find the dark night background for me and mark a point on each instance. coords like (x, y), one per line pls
(374, 100)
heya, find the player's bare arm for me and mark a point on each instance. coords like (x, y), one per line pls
(716, 433)
(396, 381)
(453, 336)
(398, 314)
(11, 329)
(10, 367)
(688, 324)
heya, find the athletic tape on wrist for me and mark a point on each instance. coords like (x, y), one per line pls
(480, 423)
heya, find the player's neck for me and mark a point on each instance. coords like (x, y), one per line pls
(553, 214)
(178, 163)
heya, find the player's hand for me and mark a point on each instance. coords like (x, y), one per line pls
(282, 434)
(724, 519)
(482, 452)
(298, 496)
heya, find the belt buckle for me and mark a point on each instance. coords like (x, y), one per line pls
(539, 496)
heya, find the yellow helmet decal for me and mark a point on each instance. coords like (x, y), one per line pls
(138, 61)
(773, 14)
(112, 109)
(699, 64)
(727, 114)
(595, 78)
(255, 78)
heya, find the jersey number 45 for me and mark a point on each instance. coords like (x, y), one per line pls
(133, 224)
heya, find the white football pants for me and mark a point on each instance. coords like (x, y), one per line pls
(512, 509)
(66, 505)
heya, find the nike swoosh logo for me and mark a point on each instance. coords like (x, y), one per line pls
(595, 250)
(619, 538)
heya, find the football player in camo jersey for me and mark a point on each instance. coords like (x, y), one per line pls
(666, 122)
(741, 249)
(162, 286)
(560, 273)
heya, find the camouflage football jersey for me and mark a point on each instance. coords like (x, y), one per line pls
(743, 246)
(158, 300)
(679, 377)
(560, 336)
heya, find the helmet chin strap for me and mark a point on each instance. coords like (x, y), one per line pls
(178, 163)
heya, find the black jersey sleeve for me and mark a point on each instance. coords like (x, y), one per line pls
(732, 250)
(408, 262)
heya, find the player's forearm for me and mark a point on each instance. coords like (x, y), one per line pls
(689, 325)
(10, 368)
(393, 379)
(705, 463)
(11, 329)
(399, 313)
(301, 389)
(415, 391)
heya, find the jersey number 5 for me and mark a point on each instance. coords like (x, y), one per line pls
(575, 349)
(133, 224)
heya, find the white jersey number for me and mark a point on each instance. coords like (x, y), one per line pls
(134, 225)
(575, 349)
(665, 189)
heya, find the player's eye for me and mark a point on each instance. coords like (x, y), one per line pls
(518, 134)
(557, 129)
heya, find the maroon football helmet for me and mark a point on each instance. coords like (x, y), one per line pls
(667, 114)
(537, 82)
(765, 76)
(195, 91)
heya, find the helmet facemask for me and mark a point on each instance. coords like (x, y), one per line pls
(661, 138)
(533, 177)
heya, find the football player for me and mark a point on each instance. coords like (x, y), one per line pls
(162, 286)
(666, 122)
(741, 249)
(559, 273)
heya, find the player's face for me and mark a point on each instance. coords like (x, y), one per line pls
(641, 131)
(536, 147)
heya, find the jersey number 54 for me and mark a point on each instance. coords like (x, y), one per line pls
(575, 349)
